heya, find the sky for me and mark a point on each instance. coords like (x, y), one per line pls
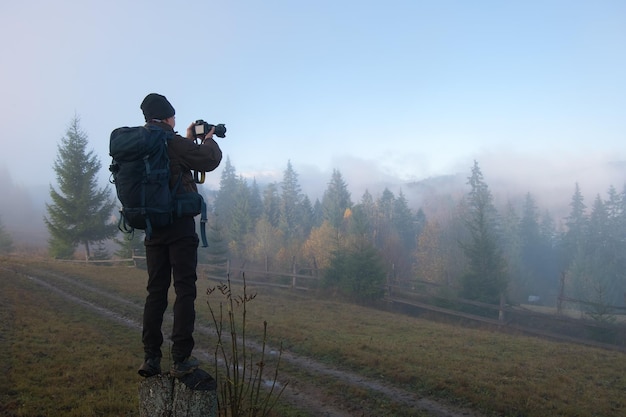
(380, 90)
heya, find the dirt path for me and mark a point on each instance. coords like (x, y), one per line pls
(298, 392)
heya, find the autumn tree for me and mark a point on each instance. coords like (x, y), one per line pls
(320, 245)
(430, 260)
(265, 242)
(80, 211)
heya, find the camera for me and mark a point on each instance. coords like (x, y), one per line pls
(201, 128)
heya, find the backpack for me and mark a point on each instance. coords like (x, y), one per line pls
(140, 171)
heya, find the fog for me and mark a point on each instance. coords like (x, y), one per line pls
(551, 180)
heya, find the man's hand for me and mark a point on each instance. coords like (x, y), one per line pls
(190, 130)
(209, 135)
(191, 135)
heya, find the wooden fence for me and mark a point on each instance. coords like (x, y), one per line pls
(422, 297)
(518, 318)
(290, 280)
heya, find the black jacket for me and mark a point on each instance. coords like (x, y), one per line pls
(187, 156)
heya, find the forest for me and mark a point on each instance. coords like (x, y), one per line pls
(356, 245)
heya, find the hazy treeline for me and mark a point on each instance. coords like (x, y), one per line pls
(278, 225)
(357, 244)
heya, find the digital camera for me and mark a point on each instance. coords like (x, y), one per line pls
(201, 128)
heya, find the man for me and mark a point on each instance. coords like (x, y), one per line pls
(171, 251)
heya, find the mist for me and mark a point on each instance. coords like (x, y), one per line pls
(551, 179)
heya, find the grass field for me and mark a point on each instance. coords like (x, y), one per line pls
(58, 359)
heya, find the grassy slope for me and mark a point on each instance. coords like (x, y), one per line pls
(61, 360)
(72, 356)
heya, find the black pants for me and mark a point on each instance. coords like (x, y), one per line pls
(171, 252)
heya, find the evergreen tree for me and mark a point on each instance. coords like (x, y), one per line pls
(531, 247)
(217, 252)
(336, 200)
(359, 224)
(512, 252)
(357, 271)
(368, 208)
(241, 222)
(383, 218)
(308, 216)
(80, 211)
(420, 221)
(576, 223)
(290, 205)
(6, 241)
(602, 285)
(486, 279)
(616, 211)
(225, 197)
(271, 204)
(550, 255)
(127, 248)
(256, 203)
(385, 205)
(404, 222)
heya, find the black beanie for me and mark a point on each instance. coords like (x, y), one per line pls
(156, 106)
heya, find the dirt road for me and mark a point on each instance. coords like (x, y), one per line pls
(306, 396)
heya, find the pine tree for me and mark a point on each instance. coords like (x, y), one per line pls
(368, 207)
(336, 200)
(487, 278)
(357, 271)
(130, 245)
(383, 216)
(241, 222)
(256, 202)
(271, 204)
(577, 223)
(404, 222)
(530, 246)
(308, 216)
(318, 213)
(217, 251)
(602, 284)
(6, 241)
(225, 197)
(80, 211)
(360, 223)
(290, 205)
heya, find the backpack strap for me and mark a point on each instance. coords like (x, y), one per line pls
(203, 222)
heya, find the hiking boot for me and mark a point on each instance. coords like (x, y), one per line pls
(185, 367)
(150, 367)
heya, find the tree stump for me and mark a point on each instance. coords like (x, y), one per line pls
(193, 395)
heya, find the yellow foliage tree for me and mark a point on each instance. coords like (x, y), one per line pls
(430, 257)
(319, 246)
